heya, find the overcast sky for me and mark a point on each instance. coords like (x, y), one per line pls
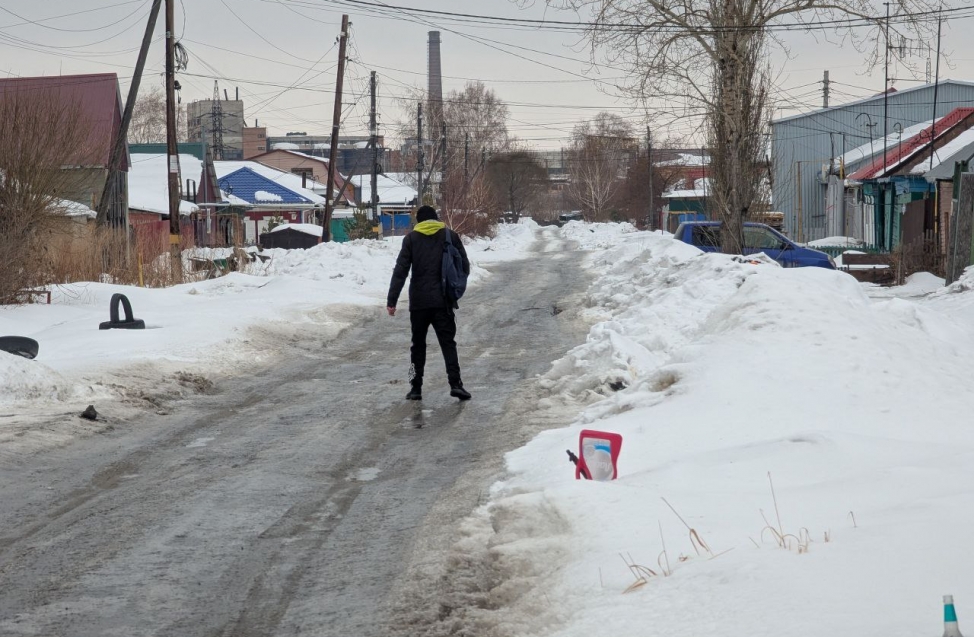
(266, 47)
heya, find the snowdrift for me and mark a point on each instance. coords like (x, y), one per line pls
(732, 376)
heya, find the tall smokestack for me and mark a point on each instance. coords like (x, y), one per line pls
(435, 78)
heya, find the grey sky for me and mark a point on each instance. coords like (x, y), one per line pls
(271, 45)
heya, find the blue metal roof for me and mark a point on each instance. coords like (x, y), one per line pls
(245, 183)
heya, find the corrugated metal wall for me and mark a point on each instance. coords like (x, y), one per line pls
(802, 145)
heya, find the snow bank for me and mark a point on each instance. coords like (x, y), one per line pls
(857, 409)
(207, 326)
(589, 236)
(509, 243)
(830, 242)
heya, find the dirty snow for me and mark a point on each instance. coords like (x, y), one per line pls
(201, 329)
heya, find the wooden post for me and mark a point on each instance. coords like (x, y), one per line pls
(336, 124)
(118, 147)
(963, 226)
(172, 148)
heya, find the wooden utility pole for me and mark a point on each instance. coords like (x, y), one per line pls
(172, 148)
(826, 85)
(335, 125)
(421, 158)
(374, 129)
(118, 148)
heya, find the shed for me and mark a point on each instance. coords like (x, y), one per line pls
(294, 236)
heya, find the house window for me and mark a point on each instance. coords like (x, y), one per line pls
(260, 148)
(260, 135)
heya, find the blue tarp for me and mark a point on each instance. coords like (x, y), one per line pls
(393, 225)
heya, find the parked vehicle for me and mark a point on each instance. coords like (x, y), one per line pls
(574, 215)
(757, 238)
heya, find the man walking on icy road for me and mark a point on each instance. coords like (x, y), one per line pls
(422, 250)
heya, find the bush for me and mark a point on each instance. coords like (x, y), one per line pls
(360, 226)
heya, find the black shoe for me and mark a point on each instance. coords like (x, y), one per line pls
(457, 391)
(416, 393)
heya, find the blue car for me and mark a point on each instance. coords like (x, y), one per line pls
(757, 238)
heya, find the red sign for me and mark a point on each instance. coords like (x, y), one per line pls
(598, 455)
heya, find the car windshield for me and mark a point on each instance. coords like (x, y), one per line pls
(758, 238)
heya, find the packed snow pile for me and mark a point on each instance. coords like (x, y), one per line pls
(733, 380)
(589, 236)
(508, 243)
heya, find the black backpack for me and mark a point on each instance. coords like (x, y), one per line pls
(454, 278)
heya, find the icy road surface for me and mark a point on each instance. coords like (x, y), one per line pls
(307, 499)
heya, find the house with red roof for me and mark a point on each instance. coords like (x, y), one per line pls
(99, 108)
(902, 193)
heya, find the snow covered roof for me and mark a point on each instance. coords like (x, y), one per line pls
(149, 182)
(960, 148)
(307, 228)
(391, 192)
(74, 209)
(685, 159)
(916, 142)
(877, 146)
(702, 190)
(254, 188)
(284, 146)
(289, 182)
(916, 145)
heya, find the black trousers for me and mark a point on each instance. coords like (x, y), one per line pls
(444, 324)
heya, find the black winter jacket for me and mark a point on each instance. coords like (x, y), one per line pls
(424, 254)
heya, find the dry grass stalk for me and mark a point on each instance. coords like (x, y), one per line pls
(665, 563)
(853, 516)
(695, 540)
(642, 574)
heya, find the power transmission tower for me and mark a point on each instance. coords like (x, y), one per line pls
(118, 148)
(335, 126)
(374, 130)
(216, 122)
(172, 148)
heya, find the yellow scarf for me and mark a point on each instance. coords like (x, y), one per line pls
(429, 228)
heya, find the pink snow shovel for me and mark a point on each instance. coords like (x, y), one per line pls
(598, 455)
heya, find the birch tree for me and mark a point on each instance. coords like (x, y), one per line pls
(597, 163)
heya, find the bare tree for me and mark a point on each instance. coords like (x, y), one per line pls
(600, 154)
(475, 127)
(705, 55)
(518, 180)
(148, 125)
(47, 143)
(469, 208)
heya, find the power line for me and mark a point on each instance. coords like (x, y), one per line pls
(40, 22)
(576, 26)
